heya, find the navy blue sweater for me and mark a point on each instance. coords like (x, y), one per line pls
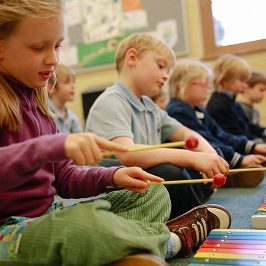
(230, 116)
(233, 147)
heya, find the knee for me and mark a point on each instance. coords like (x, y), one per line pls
(82, 214)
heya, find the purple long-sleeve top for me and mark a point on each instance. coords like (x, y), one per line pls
(34, 167)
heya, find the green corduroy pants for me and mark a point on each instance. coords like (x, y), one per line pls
(99, 232)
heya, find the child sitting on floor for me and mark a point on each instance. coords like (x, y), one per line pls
(190, 86)
(252, 94)
(37, 162)
(231, 74)
(63, 92)
(125, 113)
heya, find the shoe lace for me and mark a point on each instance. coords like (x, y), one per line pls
(200, 231)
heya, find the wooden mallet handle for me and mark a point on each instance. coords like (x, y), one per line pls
(239, 170)
(218, 181)
(190, 143)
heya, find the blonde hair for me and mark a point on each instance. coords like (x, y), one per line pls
(142, 43)
(63, 70)
(228, 68)
(185, 71)
(11, 13)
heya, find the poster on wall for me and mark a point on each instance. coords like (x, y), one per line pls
(95, 27)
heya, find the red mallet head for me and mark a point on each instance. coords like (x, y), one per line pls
(219, 180)
(191, 142)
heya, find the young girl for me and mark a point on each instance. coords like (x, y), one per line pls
(190, 87)
(36, 163)
(230, 79)
(63, 92)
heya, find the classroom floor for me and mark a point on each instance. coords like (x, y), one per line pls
(241, 203)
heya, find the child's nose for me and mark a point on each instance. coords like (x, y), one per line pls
(51, 58)
(165, 76)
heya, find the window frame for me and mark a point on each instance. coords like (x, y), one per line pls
(211, 50)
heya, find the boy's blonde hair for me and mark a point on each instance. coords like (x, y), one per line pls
(185, 71)
(143, 43)
(256, 78)
(11, 13)
(229, 67)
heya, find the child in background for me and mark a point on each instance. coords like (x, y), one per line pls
(162, 99)
(231, 74)
(63, 92)
(190, 86)
(254, 93)
(125, 113)
(36, 163)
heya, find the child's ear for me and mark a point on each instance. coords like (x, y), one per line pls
(131, 57)
(226, 83)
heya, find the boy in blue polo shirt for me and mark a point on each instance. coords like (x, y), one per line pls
(125, 113)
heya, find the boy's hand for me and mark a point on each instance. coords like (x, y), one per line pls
(86, 148)
(134, 178)
(253, 160)
(209, 164)
(260, 149)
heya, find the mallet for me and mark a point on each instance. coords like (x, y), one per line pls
(190, 143)
(239, 170)
(218, 181)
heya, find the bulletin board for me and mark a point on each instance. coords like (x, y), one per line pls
(95, 27)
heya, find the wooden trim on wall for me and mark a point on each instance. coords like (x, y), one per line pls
(210, 48)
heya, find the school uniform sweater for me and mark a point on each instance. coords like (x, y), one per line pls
(251, 113)
(230, 116)
(200, 121)
(34, 166)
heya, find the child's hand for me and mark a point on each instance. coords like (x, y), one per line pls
(86, 148)
(210, 164)
(253, 160)
(134, 178)
(260, 149)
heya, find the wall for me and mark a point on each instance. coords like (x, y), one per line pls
(108, 76)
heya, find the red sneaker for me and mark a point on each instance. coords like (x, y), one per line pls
(194, 226)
